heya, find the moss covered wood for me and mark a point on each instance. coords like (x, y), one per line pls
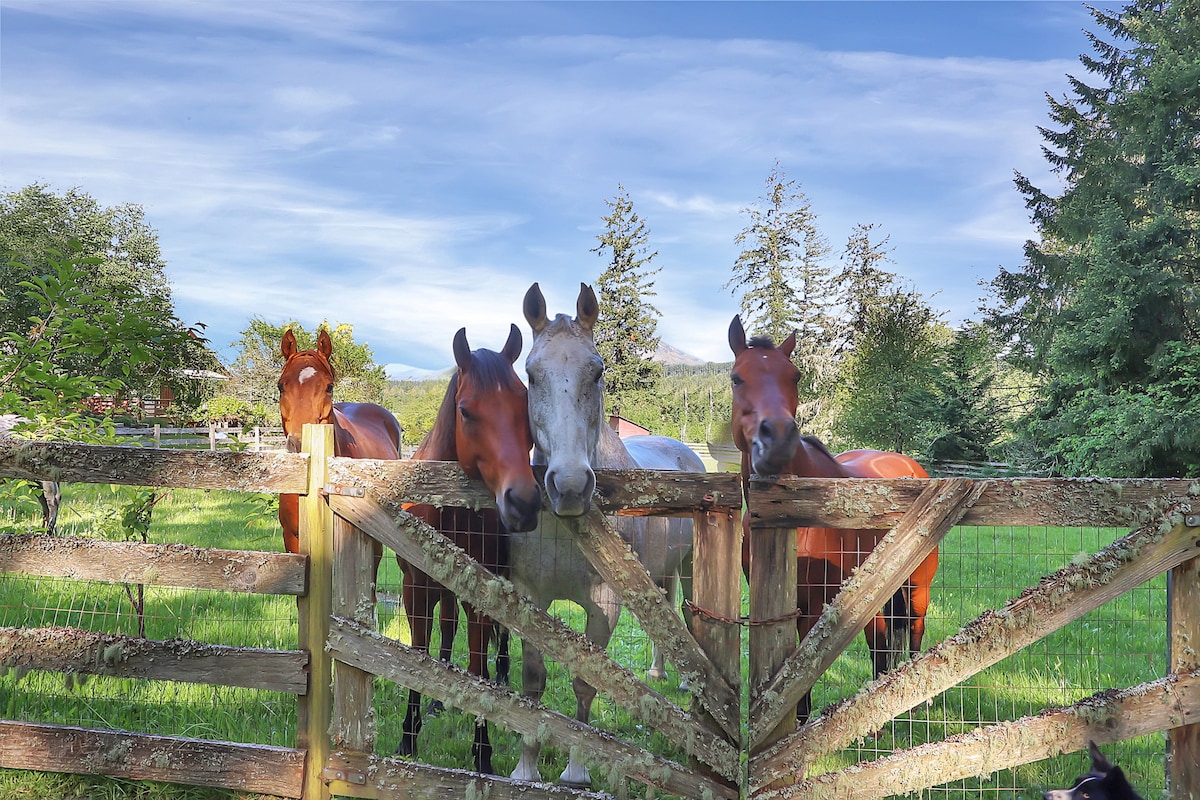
(256, 769)
(434, 554)
(378, 778)
(275, 473)
(772, 582)
(935, 512)
(175, 565)
(717, 588)
(879, 504)
(1110, 716)
(1183, 624)
(619, 566)
(633, 492)
(75, 651)
(354, 567)
(1059, 599)
(355, 644)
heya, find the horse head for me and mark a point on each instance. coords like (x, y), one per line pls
(491, 428)
(566, 398)
(305, 386)
(765, 398)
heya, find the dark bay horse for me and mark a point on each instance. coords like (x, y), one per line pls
(483, 424)
(765, 399)
(360, 430)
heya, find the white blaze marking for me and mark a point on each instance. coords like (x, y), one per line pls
(307, 373)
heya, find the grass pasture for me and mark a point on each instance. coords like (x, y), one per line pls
(1121, 644)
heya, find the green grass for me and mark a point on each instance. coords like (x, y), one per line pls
(1121, 644)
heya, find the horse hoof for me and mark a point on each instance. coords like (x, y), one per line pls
(406, 748)
(435, 709)
(657, 674)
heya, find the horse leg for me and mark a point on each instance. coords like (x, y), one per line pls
(418, 602)
(603, 611)
(478, 633)
(921, 581)
(49, 498)
(448, 630)
(533, 686)
(658, 666)
(502, 658)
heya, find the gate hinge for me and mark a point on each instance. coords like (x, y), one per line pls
(345, 776)
(344, 491)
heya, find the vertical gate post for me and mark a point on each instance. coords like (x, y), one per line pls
(316, 540)
(717, 587)
(772, 597)
(354, 575)
(1183, 621)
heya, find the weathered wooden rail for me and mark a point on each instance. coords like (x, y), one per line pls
(332, 672)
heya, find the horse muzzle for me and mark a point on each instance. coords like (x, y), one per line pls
(519, 510)
(570, 492)
(773, 445)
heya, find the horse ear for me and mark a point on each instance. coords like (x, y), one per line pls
(737, 336)
(324, 344)
(587, 310)
(534, 308)
(512, 348)
(789, 344)
(462, 350)
(288, 346)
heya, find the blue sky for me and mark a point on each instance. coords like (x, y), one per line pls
(411, 168)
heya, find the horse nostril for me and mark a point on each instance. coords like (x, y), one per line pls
(765, 434)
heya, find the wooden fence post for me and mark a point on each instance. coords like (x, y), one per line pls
(316, 540)
(772, 597)
(354, 576)
(717, 588)
(1183, 622)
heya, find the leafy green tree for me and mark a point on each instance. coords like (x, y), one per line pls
(626, 333)
(69, 324)
(1106, 308)
(786, 285)
(40, 231)
(887, 386)
(259, 362)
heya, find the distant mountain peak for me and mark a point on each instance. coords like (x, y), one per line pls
(673, 356)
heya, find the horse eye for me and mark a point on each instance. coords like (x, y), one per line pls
(736, 380)
(329, 389)
(466, 415)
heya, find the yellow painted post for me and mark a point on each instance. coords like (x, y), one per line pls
(316, 540)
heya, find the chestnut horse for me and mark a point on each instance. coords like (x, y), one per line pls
(360, 430)
(483, 424)
(765, 398)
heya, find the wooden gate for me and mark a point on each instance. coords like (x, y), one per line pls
(340, 654)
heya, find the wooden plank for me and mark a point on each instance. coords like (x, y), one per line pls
(153, 564)
(315, 710)
(1110, 716)
(249, 768)
(717, 589)
(772, 608)
(935, 512)
(879, 504)
(79, 651)
(369, 776)
(357, 645)
(631, 492)
(1059, 599)
(353, 598)
(1183, 626)
(619, 566)
(276, 473)
(434, 554)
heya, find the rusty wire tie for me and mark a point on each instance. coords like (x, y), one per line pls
(745, 620)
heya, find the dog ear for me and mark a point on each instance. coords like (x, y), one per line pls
(1100, 764)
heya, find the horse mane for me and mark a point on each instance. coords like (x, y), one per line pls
(818, 445)
(763, 342)
(489, 369)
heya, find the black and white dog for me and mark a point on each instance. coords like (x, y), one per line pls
(1104, 782)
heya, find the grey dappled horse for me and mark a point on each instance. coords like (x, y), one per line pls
(48, 492)
(571, 439)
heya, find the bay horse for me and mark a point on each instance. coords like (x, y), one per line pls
(571, 439)
(765, 398)
(483, 424)
(360, 430)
